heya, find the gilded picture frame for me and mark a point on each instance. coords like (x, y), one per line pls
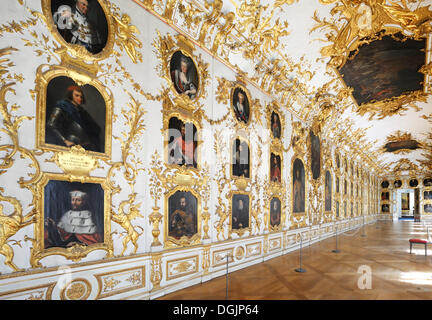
(78, 50)
(275, 154)
(235, 90)
(306, 179)
(185, 118)
(240, 178)
(240, 231)
(276, 227)
(183, 241)
(74, 251)
(43, 79)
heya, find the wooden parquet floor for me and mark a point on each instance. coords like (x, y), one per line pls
(385, 249)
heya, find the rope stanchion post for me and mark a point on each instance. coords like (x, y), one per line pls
(336, 250)
(363, 234)
(300, 269)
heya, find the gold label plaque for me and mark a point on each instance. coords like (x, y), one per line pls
(76, 162)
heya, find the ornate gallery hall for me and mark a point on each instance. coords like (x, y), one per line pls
(215, 150)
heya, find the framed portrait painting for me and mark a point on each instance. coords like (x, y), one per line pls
(299, 186)
(184, 75)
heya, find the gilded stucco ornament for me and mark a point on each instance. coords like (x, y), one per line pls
(166, 47)
(166, 181)
(13, 222)
(355, 23)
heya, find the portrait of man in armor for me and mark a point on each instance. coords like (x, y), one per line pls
(75, 115)
(182, 218)
(184, 75)
(74, 214)
(81, 22)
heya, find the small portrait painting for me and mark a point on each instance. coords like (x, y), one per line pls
(75, 115)
(328, 192)
(275, 212)
(346, 165)
(241, 159)
(240, 105)
(275, 168)
(398, 183)
(385, 184)
(275, 125)
(405, 199)
(427, 195)
(298, 186)
(385, 208)
(345, 187)
(73, 214)
(428, 208)
(184, 74)
(182, 215)
(337, 208)
(81, 22)
(413, 183)
(385, 195)
(240, 211)
(182, 143)
(427, 182)
(315, 155)
(337, 161)
(337, 185)
(345, 209)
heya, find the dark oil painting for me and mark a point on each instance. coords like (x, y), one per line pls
(275, 212)
(298, 186)
(184, 74)
(75, 115)
(81, 22)
(73, 214)
(315, 155)
(401, 145)
(182, 215)
(182, 143)
(385, 69)
(240, 211)
(328, 192)
(241, 159)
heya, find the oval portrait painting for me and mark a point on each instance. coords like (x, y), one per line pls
(184, 75)
(240, 105)
(81, 22)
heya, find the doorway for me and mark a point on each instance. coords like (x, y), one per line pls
(405, 203)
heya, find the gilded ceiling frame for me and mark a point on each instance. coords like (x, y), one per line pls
(355, 24)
